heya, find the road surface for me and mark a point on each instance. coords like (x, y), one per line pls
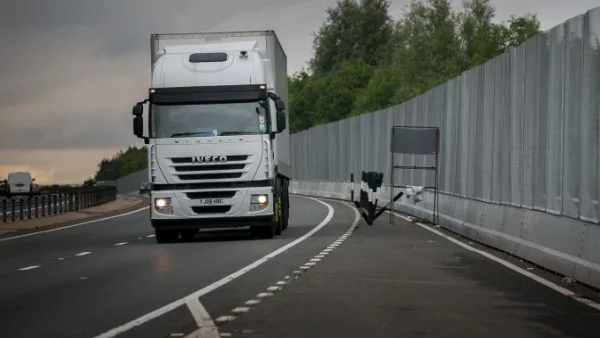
(86, 280)
(321, 278)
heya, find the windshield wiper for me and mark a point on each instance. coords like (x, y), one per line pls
(190, 134)
(238, 133)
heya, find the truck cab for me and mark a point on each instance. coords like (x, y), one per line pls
(218, 146)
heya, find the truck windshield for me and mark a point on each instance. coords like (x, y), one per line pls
(206, 120)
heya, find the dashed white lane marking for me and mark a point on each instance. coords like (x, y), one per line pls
(31, 267)
(509, 265)
(252, 302)
(241, 309)
(226, 334)
(170, 307)
(61, 259)
(305, 267)
(74, 225)
(265, 295)
(122, 243)
(83, 254)
(224, 319)
(150, 236)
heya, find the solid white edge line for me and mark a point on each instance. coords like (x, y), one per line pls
(206, 326)
(169, 307)
(511, 266)
(73, 225)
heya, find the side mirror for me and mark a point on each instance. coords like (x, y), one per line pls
(138, 126)
(138, 110)
(279, 105)
(280, 121)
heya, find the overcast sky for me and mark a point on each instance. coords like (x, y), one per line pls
(70, 70)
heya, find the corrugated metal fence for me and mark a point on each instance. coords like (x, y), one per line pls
(520, 130)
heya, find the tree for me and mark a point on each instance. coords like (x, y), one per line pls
(127, 162)
(363, 61)
(352, 29)
(520, 29)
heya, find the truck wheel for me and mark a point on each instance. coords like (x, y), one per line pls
(286, 207)
(166, 236)
(278, 208)
(278, 217)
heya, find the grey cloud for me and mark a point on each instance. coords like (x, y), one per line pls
(58, 132)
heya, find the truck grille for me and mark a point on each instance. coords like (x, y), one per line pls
(186, 169)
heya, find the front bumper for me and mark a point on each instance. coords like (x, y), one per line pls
(214, 208)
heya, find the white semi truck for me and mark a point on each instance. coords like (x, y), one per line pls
(218, 139)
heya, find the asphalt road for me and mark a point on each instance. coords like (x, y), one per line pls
(323, 277)
(86, 280)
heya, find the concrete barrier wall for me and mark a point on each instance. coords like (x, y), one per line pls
(564, 245)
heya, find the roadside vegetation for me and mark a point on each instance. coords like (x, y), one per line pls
(365, 60)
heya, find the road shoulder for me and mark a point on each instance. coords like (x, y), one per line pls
(390, 281)
(123, 204)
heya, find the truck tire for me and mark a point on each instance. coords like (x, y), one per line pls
(166, 236)
(286, 206)
(280, 207)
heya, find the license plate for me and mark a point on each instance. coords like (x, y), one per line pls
(211, 201)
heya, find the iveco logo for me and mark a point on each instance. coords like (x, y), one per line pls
(209, 159)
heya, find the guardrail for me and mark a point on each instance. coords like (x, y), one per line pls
(22, 208)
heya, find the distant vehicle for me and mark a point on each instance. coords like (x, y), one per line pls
(219, 145)
(21, 184)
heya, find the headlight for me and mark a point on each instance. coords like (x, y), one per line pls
(163, 205)
(259, 202)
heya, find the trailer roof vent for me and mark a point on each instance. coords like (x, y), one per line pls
(208, 57)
